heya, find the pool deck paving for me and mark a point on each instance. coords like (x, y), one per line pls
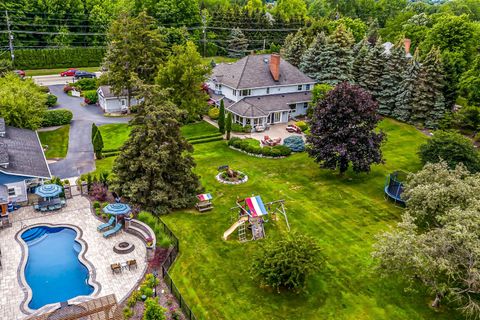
(99, 254)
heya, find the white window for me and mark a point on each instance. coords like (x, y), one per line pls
(299, 87)
(246, 92)
(234, 93)
(123, 102)
(268, 90)
(305, 105)
(307, 87)
(276, 116)
(293, 108)
(11, 192)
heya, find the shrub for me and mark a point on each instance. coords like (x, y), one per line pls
(153, 311)
(96, 204)
(247, 146)
(67, 88)
(451, 147)
(98, 212)
(233, 141)
(280, 151)
(147, 291)
(85, 84)
(127, 313)
(98, 191)
(213, 113)
(295, 143)
(287, 262)
(58, 117)
(302, 125)
(247, 128)
(151, 281)
(51, 100)
(237, 127)
(90, 96)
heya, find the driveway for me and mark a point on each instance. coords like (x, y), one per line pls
(80, 157)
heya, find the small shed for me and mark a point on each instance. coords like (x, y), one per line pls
(111, 103)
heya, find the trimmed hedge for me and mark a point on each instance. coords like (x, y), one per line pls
(58, 58)
(90, 96)
(85, 84)
(51, 100)
(218, 134)
(204, 140)
(245, 145)
(110, 154)
(58, 117)
(214, 113)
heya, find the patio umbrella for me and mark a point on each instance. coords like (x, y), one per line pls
(48, 190)
(117, 209)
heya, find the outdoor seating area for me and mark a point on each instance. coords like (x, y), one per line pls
(120, 266)
(293, 128)
(118, 212)
(267, 141)
(51, 200)
(204, 203)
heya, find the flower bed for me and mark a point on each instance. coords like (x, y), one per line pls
(252, 147)
(231, 177)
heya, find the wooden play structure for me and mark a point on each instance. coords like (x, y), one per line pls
(204, 203)
(252, 215)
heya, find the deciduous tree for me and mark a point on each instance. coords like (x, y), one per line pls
(343, 130)
(154, 169)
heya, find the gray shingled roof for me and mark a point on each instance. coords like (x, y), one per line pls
(3, 153)
(25, 154)
(2, 126)
(3, 194)
(261, 106)
(108, 93)
(253, 72)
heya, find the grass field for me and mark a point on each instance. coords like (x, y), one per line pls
(57, 141)
(46, 72)
(114, 135)
(342, 213)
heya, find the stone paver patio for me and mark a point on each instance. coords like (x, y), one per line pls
(99, 253)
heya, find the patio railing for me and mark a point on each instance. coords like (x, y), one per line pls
(166, 276)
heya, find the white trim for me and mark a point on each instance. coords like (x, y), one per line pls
(274, 86)
(44, 158)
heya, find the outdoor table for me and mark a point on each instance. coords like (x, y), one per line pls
(124, 265)
(50, 202)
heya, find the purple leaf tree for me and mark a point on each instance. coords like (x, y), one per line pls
(343, 130)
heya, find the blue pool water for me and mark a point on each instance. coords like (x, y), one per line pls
(53, 270)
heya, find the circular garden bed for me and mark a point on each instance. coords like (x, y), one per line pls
(230, 176)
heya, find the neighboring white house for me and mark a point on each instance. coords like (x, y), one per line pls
(260, 90)
(22, 164)
(111, 103)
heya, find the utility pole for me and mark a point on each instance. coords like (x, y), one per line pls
(263, 44)
(204, 29)
(10, 37)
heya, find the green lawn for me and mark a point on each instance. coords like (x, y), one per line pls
(45, 72)
(198, 129)
(342, 213)
(57, 141)
(114, 135)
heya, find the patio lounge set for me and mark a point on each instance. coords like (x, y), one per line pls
(116, 210)
(118, 267)
(50, 193)
(267, 141)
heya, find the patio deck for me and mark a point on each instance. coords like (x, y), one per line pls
(99, 253)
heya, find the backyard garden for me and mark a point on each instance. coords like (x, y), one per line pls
(343, 213)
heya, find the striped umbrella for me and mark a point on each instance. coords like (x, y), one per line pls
(117, 209)
(48, 190)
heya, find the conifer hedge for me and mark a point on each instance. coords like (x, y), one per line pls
(58, 58)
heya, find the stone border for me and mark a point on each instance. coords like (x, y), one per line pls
(256, 155)
(97, 287)
(218, 177)
(121, 250)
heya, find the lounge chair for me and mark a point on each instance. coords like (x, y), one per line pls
(116, 267)
(43, 209)
(36, 207)
(63, 202)
(58, 206)
(111, 232)
(132, 263)
(104, 226)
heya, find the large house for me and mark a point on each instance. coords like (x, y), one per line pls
(260, 90)
(22, 164)
(111, 103)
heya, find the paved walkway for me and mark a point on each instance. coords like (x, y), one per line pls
(80, 158)
(99, 253)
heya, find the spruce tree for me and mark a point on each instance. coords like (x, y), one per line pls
(221, 118)
(403, 101)
(360, 51)
(391, 80)
(336, 57)
(154, 169)
(428, 103)
(310, 64)
(294, 47)
(372, 69)
(237, 44)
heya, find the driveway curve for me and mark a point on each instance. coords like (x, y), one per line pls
(80, 158)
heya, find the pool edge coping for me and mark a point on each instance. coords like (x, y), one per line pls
(97, 287)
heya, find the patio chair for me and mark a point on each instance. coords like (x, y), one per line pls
(51, 208)
(104, 226)
(43, 209)
(63, 202)
(132, 263)
(36, 207)
(111, 232)
(116, 268)
(58, 206)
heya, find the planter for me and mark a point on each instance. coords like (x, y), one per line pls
(221, 180)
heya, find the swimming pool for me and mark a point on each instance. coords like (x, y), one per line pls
(53, 270)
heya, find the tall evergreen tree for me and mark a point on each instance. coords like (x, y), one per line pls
(154, 169)
(428, 103)
(372, 69)
(403, 103)
(221, 118)
(294, 47)
(228, 125)
(237, 43)
(360, 51)
(310, 64)
(338, 57)
(391, 80)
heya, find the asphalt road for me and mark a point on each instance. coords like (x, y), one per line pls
(80, 157)
(55, 79)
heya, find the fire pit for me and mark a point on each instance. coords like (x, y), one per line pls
(123, 247)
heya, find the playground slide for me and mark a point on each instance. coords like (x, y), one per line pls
(234, 226)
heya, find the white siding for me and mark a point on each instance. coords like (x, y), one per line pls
(17, 191)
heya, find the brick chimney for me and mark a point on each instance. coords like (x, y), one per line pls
(407, 43)
(275, 66)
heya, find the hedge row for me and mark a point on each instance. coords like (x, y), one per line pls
(218, 134)
(276, 151)
(58, 58)
(204, 140)
(110, 154)
(57, 117)
(110, 150)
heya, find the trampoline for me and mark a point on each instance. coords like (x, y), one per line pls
(394, 187)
